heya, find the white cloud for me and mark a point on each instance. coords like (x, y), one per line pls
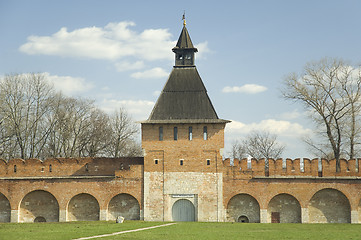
(139, 109)
(114, 41)
(295, 114)
(151, 73)
(69, 85)
(126, 66)
(202, 49)
(289, 134)
(247, 88)
(279, 127)
(156, 93)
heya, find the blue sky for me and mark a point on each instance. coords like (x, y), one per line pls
(119, 53)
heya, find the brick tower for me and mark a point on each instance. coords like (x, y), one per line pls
(182, 141)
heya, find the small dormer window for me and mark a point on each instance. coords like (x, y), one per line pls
(205, 133)
(175, 133)
(160, 133)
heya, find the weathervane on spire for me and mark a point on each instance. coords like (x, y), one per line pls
(184, 18)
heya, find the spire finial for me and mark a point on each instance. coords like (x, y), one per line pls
(184, 18)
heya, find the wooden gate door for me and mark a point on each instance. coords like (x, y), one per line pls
(183, 210)
(275, 217)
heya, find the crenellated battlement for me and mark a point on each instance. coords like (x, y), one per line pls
(63, 167)
(249, 168)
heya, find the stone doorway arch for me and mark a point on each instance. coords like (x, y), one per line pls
(124, 205)
(329, 206)
(5, 210)
(183, 210)
(39, 203)
(83, 207)
(243, 205)
(284, 208)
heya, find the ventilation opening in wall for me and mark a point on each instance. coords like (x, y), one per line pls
(181, 162)
(208, 162)
(243, 219)
(156, 161)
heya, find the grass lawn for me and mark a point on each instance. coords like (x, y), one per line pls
(182, 230)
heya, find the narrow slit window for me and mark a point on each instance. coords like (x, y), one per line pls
(190, 133)
(160, 133)
(50, 168)
(205, 133)
(15, 168)
(86, 167)
(208, 162)
(181, 162)
(42, 169)
(155, 161)
(175, 133)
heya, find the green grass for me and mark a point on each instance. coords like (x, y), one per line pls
(182, 230)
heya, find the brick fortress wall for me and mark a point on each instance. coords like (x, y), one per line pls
(65, 189)
(300, 190)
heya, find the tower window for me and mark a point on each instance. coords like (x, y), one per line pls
(208, 162)
(205, 133)
(156, 161)
(87, 167)
(181, 162)
(190, 132)
(180, 56)
(175, 133)
(50, 168)
(160, 133)
(15, 169)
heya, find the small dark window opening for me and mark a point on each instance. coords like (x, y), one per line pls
(180, 56)
(87, 167)
(205, 133)
(50, 168)
(208, 162)
(175, 133)
(156, 161)
(15, 169)
(42, 169)
(190, 133)
(160, 133)
(121, 166)
(181, 162)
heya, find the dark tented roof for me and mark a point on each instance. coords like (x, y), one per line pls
(184, 97)
(184, 41)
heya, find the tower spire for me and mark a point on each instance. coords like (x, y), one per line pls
(184, 19)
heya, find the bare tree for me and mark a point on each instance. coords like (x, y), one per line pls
(38, 122)
(24, 106)
(330, 89)
(258, 144)
(238, 150)
(123, 131)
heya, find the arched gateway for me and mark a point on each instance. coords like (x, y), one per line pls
(183, 211)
